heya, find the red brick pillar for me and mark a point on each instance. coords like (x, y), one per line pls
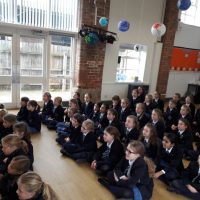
(90, 59)
(171, 22)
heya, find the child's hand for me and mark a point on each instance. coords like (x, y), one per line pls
(67, 139)
(192, 189)
(94, 164)
(124, 178)
(158, 174)
(174, 127)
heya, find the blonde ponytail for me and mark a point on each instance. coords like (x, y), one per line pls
(33, 183)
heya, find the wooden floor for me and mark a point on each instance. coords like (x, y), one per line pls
(72, 181)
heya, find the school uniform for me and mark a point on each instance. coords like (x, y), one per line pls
(124, 113)
(188, 117)
(22, 114)
(4, 165)
(160, 128)
(87, 109)
(190, 176)
(158, 103)
(30, 154)
(130, 134)
(57, 116)
(34, 122)
(47, 110)
(178, 105)
(8, 187)
(117, 108)
(73, 135)
(151, 150)
(148, 108)
(95, 117)
(138, 183)
(192, 109)
(133, 102)
(141, 98)
(107, 156)
(143, 119)
(170, 117)
(83, 147)
(5, 131)
(170, 161)
(116, 123)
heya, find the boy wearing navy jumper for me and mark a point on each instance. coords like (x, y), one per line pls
(23, 112)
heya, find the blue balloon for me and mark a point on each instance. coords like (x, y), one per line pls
(103, 21)
(183, 4)
(123, 25)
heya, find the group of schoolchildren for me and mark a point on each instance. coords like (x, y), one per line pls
(127, 143)
(17, 180)
(131, 141)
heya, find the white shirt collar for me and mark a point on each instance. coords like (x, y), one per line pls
(146, 140)
(109, 145)
(169, 150)
(131, 162)
(180, 132)
(128, 129)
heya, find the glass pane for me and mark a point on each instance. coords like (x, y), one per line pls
(60, 56)
(32, 91)
(31, 56)
(6, 93)
(5, 55)
(60, 87)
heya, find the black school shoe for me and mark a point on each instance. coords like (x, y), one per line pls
(104, 181)
(64, 152)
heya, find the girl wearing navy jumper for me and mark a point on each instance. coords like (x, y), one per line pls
(23, 112)
(110, 153)
(75, 131)
(188, 102)
(12, 146)
(134, 100)
(169, 163)
(158, 102)
(33, 120)
(158, 122)
(130, 178)
(148, 104)
(151, 142)
(170, 115)
(8, 184)
(20, 129)
(116, 104)
(84, 146)
(125, 110)
(57, 114)
(141, 115)
(131, 130)
(47, 107)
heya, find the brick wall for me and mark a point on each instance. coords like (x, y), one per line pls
(171, 22)
(90, 59)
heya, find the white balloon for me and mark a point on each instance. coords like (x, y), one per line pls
(158, 29)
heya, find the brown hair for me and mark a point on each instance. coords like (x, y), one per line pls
(153, 134)
(159, 113)
(187, 108)
(22, 128)
(10, 118)
(135, 120)
(20, 164)
(58, 99)
(114, 112)
(126, 100)
(47, 94)
(141, 105)
(111, 130)
(33, 183)
(14, 141)
(116, 98)
(74, 101)
(138, 147)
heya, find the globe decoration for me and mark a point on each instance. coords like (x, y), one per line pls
(91, 38)
(158, 29)
(103, 21)
(183, 4)
(123, 26)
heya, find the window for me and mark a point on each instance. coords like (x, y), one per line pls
(192, 15)
(131, 63)
(53, 14)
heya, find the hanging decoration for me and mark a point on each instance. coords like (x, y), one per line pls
(93, 34)
(123, 26)
(103, 21)
(158, 29)
(183, 4)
